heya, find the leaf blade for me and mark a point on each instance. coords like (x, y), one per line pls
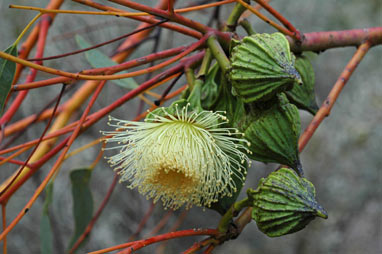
(97, 59)
(46, 234)
(7, 73)
(82, 201)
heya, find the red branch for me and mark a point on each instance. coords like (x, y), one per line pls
(100, 44)
(143, 222)
(45, 23)
(171, 235)
(38, 143)
(320, 41)
(164, 14)
(111, 70)
(281, 18)
(56, 165)
(333, 95)
(29, 43)
(17, 162)
(149, 20)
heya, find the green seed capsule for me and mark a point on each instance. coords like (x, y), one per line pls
(273, 131)
(284, 203)
(262, 65)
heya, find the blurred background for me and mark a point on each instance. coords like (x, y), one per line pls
(343, 159)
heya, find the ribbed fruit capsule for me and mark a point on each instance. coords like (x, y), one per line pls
(273, 131)
(262, 65)
(284, 203)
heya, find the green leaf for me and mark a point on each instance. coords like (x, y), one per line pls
(210, 87)
(227, 102)
(97, 59)
(262, 66)
(303, 95)
(284, 203)
(7, 73)
(273, 129)
(82, 201)
(195, 96)
(46, 234)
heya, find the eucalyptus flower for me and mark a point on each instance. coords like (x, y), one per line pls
(179, 156)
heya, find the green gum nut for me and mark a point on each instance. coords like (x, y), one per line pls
(273, 132)
(262, 65)
(284, 203)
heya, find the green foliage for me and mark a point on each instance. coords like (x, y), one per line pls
(97, 59)
(262, 66)
(195, 96)
(46, 234)
(7, 72)
(284, 203)
(82, 201)
(303, 95)
(210, 88)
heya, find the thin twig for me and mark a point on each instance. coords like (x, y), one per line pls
(281, 18)
(55, 167)
(100, 44)
(143, 222)
(266, 19)
(38, 143)
(327, 105)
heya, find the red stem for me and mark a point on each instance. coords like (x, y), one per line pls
(38, 143)
(163, 237)
(167, 236)
(149, 20)
(161, 223)
(164, 14)
(17, 162)
(333, 95)
(143, 222)
(171, 235)
(320, 41)
(33, 168)
(44, 24)
(112, 69)
(209, 249)
(176, 225)
(29, 43)
(56, 165)
(170, 8)
(100, 44)
(281, 18)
